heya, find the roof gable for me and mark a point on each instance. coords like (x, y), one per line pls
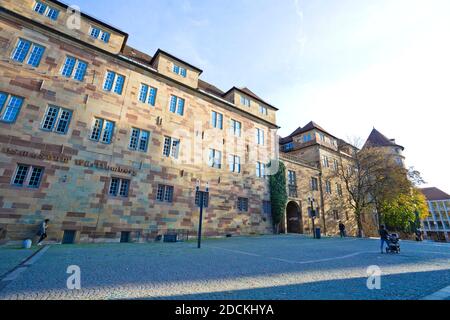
(377, 139)
(435, 194)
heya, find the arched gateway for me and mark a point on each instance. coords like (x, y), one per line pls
(294, 218)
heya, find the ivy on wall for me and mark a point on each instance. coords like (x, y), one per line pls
(278, 196)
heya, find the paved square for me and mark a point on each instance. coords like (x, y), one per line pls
(272, 267)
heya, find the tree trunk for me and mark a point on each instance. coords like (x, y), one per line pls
(359, 223)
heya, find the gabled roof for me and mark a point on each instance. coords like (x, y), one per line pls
(210, 88)
(310, 126)
(435, 194)
(137, 55)
(250, 93)
(377, 139)
(159, 51)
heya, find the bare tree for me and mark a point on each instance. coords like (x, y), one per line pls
(360, 174)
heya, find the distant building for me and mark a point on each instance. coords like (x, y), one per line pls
(437, 225)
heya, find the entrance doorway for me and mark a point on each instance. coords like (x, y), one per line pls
(294, 218)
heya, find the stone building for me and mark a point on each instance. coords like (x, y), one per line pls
(108, 142)
(437, 225)
(312, 156)
(314, 147)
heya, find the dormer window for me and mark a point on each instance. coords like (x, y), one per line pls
(322, 137)
(179, 71)
(307, 137)
(40, 8)
(52, 13)
(97, 33)
(245, 101)
(263, 110)
(48, 11)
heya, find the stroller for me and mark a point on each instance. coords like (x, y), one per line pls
(393, 244)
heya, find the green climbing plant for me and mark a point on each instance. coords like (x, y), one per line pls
(278, 196)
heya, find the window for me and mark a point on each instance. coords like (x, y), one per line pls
(326, 162)
(245, 101)
(267, 208)
(49, 12)
(115, 81)
(328, 187)
(335, 165)
(28, 176)
(179, 70)
(215, 159)
(177, 105)
(9, 107)
(40, 8)
(235, 127)
(234, 163)
(25, 49)
(260, 137)
(336, 215)
(314, 184)
(307, 137)
(171, 147)
(119, 187)
(260, 170)
(288, 147)
(165, 193)
(72, 64)
(339, 189)
(292, 178)
(52, 13)
(105, 36)
(322, 137)
(242, 204)
(102, 131)
(56, 119)
(292, 184)
(217, 120)
(148, 94)
(263, 110)
(95, 32)
(139, 140)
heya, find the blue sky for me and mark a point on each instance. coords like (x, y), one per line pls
(348, 65)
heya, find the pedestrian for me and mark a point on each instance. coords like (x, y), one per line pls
(342, 229)
(42, 233)
(419, 236)
(384, 235)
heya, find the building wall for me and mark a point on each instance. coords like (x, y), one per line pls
(303, 173)
(333, 206)
(74, 189)
(437, 225)
(25, 8)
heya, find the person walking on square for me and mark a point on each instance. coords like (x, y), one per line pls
(342, 229)
(384, 236)
(42, 233)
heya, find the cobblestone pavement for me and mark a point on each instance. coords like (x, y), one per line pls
(283, 267)
(10, 257)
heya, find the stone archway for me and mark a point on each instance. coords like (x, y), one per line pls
(294, 218)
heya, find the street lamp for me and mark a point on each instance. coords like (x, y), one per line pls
(200, 196)
(312, 214)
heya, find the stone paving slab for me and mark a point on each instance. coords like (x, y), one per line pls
(283, 267)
